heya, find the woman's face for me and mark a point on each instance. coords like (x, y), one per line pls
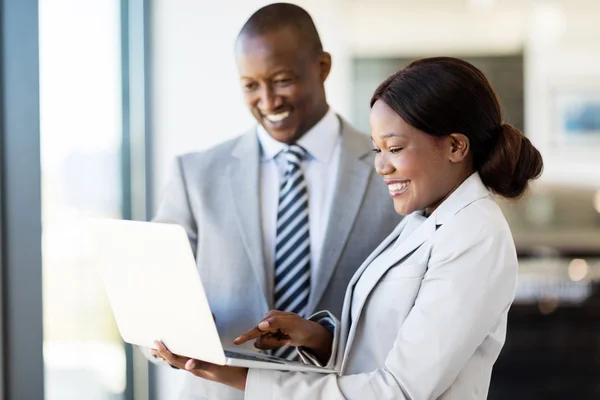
(420, 170)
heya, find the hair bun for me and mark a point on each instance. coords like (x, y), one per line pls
(512, 162)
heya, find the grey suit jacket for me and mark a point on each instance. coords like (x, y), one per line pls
(215, 196)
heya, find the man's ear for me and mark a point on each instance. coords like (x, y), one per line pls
(324, 65)
(459, 147)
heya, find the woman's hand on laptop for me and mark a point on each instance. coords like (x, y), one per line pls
(232, 376)
(279, 328)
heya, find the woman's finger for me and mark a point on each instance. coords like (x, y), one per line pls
(274, 322)
(270, 342)
(286, 323)
(263, 327)
(162, 350)
(191, 364)
(250, 335)
(174, 360)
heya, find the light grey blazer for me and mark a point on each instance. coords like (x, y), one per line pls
(431, 318)
(215, 196)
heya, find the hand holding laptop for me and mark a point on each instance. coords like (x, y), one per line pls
(277, 329)
(225, 374)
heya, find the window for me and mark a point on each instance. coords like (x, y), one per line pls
(81, 161)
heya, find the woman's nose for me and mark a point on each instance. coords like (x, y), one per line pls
(382, 165)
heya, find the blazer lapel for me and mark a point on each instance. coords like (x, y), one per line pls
(469, 191)
(352, 181)
(245, 194)
(384, 245)
(346, 310)
(412, 242)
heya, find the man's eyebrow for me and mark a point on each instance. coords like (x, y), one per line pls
(279, 71)
(283, 71)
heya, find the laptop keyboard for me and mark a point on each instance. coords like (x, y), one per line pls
(254, 357)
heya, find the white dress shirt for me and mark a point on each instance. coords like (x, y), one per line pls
(322, 142)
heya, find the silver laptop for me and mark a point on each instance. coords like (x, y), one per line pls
(155, 293)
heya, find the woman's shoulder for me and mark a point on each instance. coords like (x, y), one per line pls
(478, 221)
(482, 214)
(477, 236)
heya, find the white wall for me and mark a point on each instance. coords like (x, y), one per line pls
(420, 29)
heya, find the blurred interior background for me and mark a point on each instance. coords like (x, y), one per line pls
(125, 85)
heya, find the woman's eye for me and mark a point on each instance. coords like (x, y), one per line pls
(374, 150)
(396, 150)
(249, 86)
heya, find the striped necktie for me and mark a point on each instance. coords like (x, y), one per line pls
(292, 243)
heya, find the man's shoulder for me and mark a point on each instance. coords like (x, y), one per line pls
(219, 153)
(355, 138)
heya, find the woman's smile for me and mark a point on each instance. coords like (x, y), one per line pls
(397, 188)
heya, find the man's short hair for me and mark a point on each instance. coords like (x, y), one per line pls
(277, 16)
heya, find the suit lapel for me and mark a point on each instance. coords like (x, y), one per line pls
(412, 242)
(352, 182)
(245, 194)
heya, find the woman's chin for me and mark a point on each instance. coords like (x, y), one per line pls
(402, 208)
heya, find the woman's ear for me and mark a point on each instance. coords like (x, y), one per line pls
(459, 147)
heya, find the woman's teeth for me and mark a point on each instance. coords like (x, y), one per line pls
(398, 187)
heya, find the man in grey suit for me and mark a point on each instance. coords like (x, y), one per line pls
(281, 216)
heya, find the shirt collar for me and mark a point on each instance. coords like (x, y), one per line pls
(319, 141)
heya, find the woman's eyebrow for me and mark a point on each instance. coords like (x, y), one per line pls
(389, 135)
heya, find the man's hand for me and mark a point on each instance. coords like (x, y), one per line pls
(231, 376)
(279, 328)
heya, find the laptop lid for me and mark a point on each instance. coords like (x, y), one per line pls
(153, 287)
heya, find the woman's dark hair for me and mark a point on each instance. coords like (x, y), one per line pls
(444, 95)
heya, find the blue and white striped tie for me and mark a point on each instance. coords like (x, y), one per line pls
(292, 243)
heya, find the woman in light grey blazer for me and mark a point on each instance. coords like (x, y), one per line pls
(425, 315)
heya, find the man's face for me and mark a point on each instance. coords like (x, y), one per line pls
(282, 79)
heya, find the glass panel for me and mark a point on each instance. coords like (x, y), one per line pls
(80, 95)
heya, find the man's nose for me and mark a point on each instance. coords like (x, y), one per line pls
(268, 100)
